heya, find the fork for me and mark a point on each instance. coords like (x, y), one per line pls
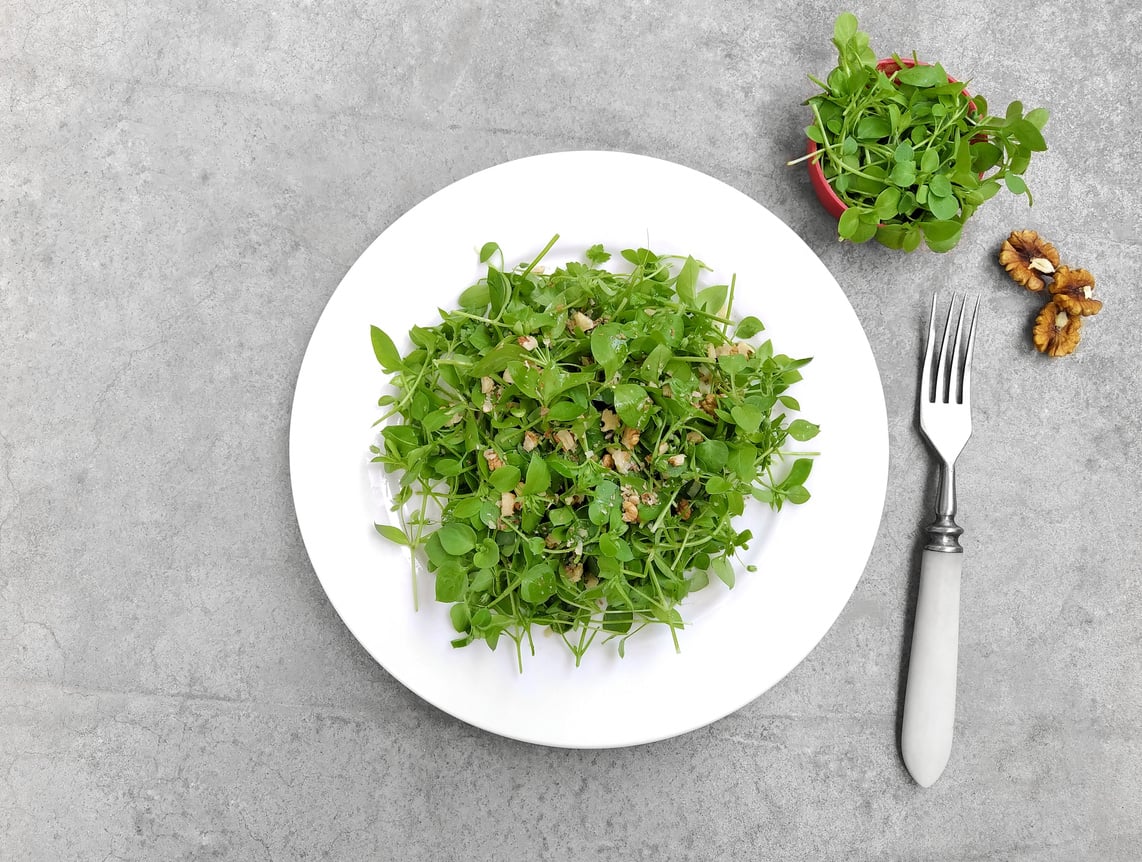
(945, 420)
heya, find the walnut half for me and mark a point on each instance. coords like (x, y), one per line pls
(1027, 257)
(1073, 292)
(1056, 332)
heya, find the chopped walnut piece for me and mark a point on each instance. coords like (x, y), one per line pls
(610, 420)
(487, 384)
(694, 437)
(630, 437)
(567, 440)
(676, 460)
(623, 461)
(1025, 256)
(494, 460)
(590, 582)
(550, 541)
(527, 342)
(508, 377)
(457, 417)
(573, 572)
(507, 504)
(684, 509)
(667, 392)
(1073, 291)
(1056, 332)
(607, 461)
(582, 322)
(630, 511)
(739, 348)
(649, 498)
(709, 403)
(530, 440)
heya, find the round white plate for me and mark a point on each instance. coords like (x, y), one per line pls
(737, 643)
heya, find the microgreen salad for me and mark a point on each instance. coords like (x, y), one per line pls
(573, 446)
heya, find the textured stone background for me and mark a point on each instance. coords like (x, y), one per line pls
(182, 186)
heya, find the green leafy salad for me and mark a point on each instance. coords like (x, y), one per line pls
(573, 445)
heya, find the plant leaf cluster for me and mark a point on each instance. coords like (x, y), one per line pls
(587, 438)
(909, 153)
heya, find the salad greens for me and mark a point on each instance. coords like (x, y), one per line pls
(909, 153)
(573, 445)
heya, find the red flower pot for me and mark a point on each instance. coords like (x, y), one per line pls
(825, 194)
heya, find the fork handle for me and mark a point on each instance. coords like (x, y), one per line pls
(930, 698)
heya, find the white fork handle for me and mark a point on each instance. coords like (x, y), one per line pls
(930, 699)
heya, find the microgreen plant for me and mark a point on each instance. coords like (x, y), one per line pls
(907, 151)
(572, 446)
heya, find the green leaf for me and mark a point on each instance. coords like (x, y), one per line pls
(712, 454)
(725, 572)
(537, 584)
(712, 298)
(655, 361)
(873, 128)
(538, 476)
(844, 28)
(687, 281)
(597, 255)
(393, 534)
(1014, 112)
(848, 223)
(802, 430)
(631, 403)
(386, 352)
(1029, 136)
(748, 327)
(799, 472)
(940, 186)
(886, 203)
(797, 494)
(565, 411)
(923, 76)
(487, 250)
(903, 153)
(943, 208)
(487, 555)
(451, 582)
(497, 360)
(942, 235)
(456, 538)
(459, 616)
(814, 133)
(609, 347)
(747, 417)
(1038, 118)
(912, 239)
(504, 478)
(475, 298)
(903, 174)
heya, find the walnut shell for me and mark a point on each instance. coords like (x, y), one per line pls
(1026, 256)
(1056, 332)
(1073, 289)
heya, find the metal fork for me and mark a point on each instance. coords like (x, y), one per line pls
(945, 420)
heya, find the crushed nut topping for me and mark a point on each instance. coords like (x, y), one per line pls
(709, 403)
(694, 437)
(590, 582)
(649, 498)
(494, 460)
(1073, 291)
(527, 342)
(607, 461)
(1056, 332)
(582, 322)
(566, 439)
(1025, 256)
(676, 460)
(684, 509)
(507, 504)
(630, 511)
(487, 384)
(623, 461)
(630, 437)
(573, 573)
(610, 420)
(530, 440)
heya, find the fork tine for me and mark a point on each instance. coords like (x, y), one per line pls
(942, 368)
(955, 381)
(965, 387)
(927, 391)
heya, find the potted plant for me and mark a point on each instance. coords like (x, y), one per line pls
(899, 151)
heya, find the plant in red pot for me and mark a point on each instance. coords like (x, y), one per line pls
(900, 152)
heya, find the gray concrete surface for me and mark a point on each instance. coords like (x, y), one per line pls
(182, 185)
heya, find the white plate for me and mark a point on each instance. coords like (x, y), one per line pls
(737, 643)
